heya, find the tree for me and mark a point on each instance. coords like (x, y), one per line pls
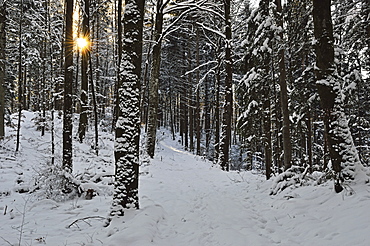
(2, 65)
(284, 92)
(126, 150)
(228, 108)
(154, 78)
(68, 85)
(343, 154)
(84, 48)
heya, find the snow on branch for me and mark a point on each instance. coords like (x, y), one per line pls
(211, 30)
(200, 66)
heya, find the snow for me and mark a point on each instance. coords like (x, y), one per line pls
(184, 200)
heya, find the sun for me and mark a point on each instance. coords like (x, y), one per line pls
(82, 43)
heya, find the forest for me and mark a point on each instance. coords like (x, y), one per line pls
(280, 88)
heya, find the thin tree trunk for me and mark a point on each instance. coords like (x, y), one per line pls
(119, 51)
(228, 108)
(217, 104)
(197, 96)
(287, 146)
(95, 107)
(154, 81)
(68, 82)
(85, 53)
(20, 79)
(2, 67)
(190, 101)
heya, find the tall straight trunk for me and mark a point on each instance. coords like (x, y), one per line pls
(267, 129)
(287, 146)
(217, 103)
(154, 81)
(2, 67)
(119, 52)
(185, 112)
(228, 108)
(190, 102)
(207, 115)
(84, 70)
(20, 79)
(68, 84)
(145, 90)
(95, 107)
(126, 150)
(343, 154)
(309, 139)
(197, 96)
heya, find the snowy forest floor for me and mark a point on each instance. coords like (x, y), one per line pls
(184, 200)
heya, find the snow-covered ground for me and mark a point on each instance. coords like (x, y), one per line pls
(184, 201)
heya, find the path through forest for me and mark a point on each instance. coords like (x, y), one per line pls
(204, 207)
(184, 201)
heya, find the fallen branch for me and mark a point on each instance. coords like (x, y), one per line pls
(84, 220)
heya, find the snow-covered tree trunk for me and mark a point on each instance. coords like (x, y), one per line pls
(126, 149)
(154, 80)
(2, 65)
(68, 85)
(228, 108)
(343, 154)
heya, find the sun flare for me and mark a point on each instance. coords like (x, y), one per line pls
(82, 43)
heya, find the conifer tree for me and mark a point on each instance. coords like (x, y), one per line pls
(127, 137)
(343, 154)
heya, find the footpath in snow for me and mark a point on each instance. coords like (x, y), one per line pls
(184, 200)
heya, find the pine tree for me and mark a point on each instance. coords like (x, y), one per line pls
(68, 85)
(126, 150)
(84, 65)
(154, 79)
(228, 108)
(343, 154)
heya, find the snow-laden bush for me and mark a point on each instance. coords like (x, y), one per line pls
(52, 182)
(296, 176)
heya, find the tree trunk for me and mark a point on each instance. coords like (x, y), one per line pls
(68, 84)
(343, 154)
(228, 108)
(127, 137)
(84, 77)
(154, 81)
(190, 101)
(20, 79)
(287, 146)
(217, 103)
(197, 97)
(2, 67)
(119, 51)
(95, 107)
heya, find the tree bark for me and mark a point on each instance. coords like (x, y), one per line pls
(127, 137)
(84, 72)
(343, 154)
(2, 66)
(287, 146)
(20, 79)
(228, 108)
(68, 84)
(197, 96)
(154, 81)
